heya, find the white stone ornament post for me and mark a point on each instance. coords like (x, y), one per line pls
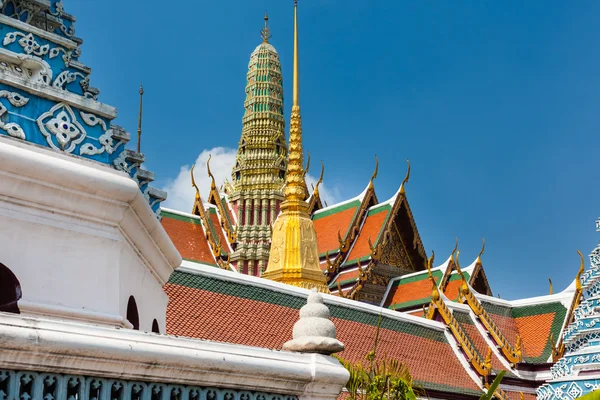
(314, 332)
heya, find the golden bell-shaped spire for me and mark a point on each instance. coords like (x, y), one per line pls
(294, 258)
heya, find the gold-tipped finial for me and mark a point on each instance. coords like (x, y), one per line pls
(265, 32)
(194, 184)
(294, 257)
(580, 272)
(316, 191)
(406, 178)
(551, 289)
(374, 172)
(139, 131)
(482, 250)
(213, 186)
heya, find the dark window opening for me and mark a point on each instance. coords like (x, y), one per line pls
(132, 313)
(155, 328)
(10, 291)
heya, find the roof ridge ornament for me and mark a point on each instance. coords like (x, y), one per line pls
(482, 250)
(406, 178)
(371, 186)
(265, 32)
(213, 186)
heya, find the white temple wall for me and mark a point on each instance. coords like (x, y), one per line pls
(80, 238)
(137, 281)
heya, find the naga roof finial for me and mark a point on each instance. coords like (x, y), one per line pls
(213, 186)
(316, 191)
(265, 32)
(374, 173)
(194, 183)
(406, 178)
(482, 250)
(139, 130)
(580, 272)
(551, 289)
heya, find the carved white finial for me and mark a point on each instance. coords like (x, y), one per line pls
(314, 332)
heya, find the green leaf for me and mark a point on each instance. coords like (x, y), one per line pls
(492, 389)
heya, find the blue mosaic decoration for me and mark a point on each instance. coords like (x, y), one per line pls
(45, 93)
(24, 385)
(578, 371)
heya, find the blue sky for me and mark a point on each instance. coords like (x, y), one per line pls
(496, 104)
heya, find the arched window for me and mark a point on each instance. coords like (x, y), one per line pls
(132, 313)
(155, 328)
(10, 290)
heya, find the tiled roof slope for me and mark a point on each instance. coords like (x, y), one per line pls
(372, 229)
(412, 291)
(255, 313)
(188, 237)
(329, 221)
(534, 323)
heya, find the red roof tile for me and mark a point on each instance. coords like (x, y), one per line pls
(188, 237)
(371, 228)
(327, 227)
(206, 308)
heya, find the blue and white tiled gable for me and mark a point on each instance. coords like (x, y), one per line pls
(45, 93)
(578, 371)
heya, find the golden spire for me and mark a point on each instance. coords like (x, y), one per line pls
(139, 131)
(265, 32)
(294, 258)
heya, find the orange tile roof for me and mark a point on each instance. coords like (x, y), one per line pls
(329, 222)
(535, 331)
(407, 294)
(452, 287)
(372, 228)
(345, 278)
(237, 312)
(188, 237)
(468, 325)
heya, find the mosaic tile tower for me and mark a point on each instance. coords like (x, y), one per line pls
(256, 190)
(45, 93)
(577, 372)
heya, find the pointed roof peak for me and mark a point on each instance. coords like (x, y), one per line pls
(265, 32)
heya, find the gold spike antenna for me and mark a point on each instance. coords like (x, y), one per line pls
(213, 186)
(139, 130)
(551, 289)
(265, 32)
(482, 250)
(406, 178)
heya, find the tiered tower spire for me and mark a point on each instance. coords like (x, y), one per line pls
(294, 256)
(259, 172)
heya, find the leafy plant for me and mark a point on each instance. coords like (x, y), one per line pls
(492, 389)
(381, 379)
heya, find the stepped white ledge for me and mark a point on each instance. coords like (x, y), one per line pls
(61, 347)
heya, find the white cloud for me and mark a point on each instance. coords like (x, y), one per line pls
(181, 193)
